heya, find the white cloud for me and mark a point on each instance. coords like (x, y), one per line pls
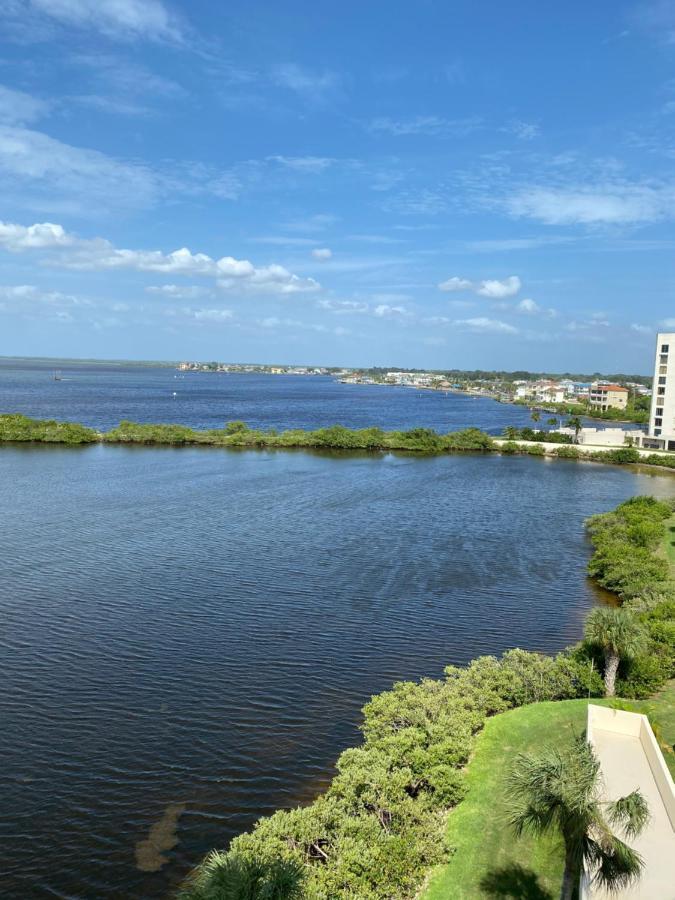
(306, 164)
(426, 125)
(528, 306)
(668, 323)
(456, 284)
(41, 236)
(114, 18)
(29, 301)
(18, 108)
(274, 322)
(212, 315)
(524, 131)
(642, 329)
(481, 323)
(101, 255)
(47, 174)
(177, 291)
(386, 311)
(322, 253)
(494, 288)
(604, 204)
(343, 307)
(489, 287)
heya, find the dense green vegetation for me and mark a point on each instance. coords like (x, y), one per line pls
(378, 830)
(337, 437)
(15, 427)
(629, 561)
(529, 434)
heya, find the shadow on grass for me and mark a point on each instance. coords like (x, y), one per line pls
(514, 882)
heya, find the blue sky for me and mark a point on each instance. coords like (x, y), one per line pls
(393, 183)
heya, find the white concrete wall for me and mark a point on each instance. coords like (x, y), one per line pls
(660, 771)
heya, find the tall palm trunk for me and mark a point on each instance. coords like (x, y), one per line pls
(570, 877)
(611, 668)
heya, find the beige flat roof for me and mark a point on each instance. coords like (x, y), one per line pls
(630, 759)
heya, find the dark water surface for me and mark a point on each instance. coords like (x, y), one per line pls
(187, 635)
(100, 395)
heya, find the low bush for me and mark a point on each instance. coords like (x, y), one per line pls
(536, 450)
(567, 452)
(509, 447)
(15, 427)
(623, 456)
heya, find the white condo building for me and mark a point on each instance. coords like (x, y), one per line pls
(661, 434)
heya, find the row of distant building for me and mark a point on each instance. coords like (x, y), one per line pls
(599, 395)
(252, 369)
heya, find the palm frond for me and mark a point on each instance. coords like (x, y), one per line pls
(630, 813)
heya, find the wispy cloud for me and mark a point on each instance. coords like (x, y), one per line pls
(306, 164)
(314, 86)
(177, 291)
(612, 203)
(488, 287)
(483, 324)
(429, 126)
(50, 176)
(524, 131)
(19, 108)
(120, 19)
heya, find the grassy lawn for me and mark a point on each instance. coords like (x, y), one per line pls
(669, 541)
(490, 862)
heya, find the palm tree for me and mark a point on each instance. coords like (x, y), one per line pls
(575, 423)
(535, 416)
(511, 433)
(552, 420)
(229, 876)
(559, 790)
(618, 634)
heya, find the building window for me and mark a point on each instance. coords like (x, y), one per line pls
(663, 370)
(657, 432)
(662, 379)
(661, 391)
(664, 359)
(664, 348)
(658, 421)
(658, 411)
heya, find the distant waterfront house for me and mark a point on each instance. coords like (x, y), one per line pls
(607, 396)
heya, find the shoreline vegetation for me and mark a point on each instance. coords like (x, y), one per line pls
(384, 828)
(17, 428)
